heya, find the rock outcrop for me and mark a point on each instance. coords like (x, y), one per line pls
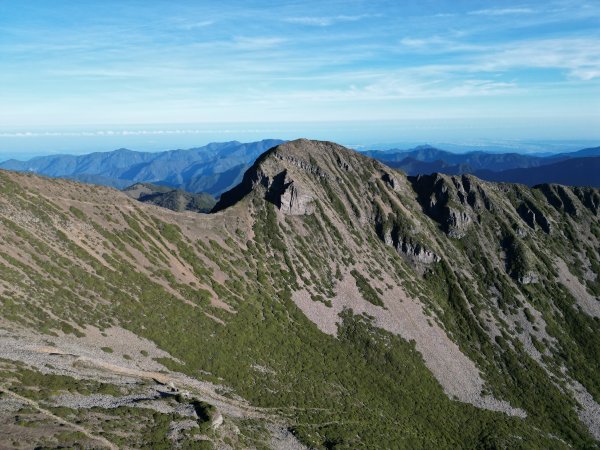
(533, 216)
(391, 181)
(270, 175)
(559, 197)
(292, 201)
(590, 198)
(393, 231)
(416, 252)
(446, 202)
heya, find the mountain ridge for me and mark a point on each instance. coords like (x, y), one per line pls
(575, 169)
(341, 299)
(583, 171)
(218, 167)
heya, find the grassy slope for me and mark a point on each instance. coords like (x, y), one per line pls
(366, 388)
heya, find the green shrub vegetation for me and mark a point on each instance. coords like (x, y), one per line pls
(368, 293)
(364, 387)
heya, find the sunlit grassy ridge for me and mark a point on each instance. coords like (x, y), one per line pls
(74, 256)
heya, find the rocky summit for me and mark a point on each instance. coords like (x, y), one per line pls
(327, 301)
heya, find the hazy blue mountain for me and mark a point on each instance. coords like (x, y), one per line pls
(579, 168)
(212, 168)
(474, 160)
(413, 166)
(561, 170)
(217, 167)
(593, 151)
(571, 172)
(105, 163)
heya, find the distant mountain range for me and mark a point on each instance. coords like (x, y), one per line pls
(580, 168)
(574, 172)
(217, 167)
(213, 168)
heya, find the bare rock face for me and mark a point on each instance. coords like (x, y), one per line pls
(409, 247)
(306, 166)
(342, 163)
(527, 215)
(533, 216)
(391, 181)
(521, 232)
(559, 197)
(445, 202)
(520, 264)
(416, 252)
(269, 176)
(216, 421)
(528, 278)
(457, 222)
(472, 193)
(293, 202)
(590, 198)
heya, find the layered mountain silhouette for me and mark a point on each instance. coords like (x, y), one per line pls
(213, 168)
(573, 172)
(217, 167)
(328, 301)
(578, 168)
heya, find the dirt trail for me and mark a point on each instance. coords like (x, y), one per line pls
(76, 358)
(137, 373)
(105, 443)
(228, 406)
(81, 358)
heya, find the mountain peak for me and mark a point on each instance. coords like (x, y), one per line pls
(305, 149)
(428, 298)
(294, 169)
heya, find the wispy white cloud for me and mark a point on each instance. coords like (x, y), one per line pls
(438, 44)
(174, 61)
(257, 42)
(196, 25)
(422, 42)
(94, 73)
(326, 20)
(579, 57)
(501, 11)
(108, 133)
(386, 87)
(586, 73)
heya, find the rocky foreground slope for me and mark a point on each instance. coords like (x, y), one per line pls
(328, 301)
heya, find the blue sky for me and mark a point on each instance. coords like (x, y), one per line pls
(481, 67)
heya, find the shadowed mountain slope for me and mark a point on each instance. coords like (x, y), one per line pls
(328, 295)
(573, 172)
(174, 199)
(471, 162)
